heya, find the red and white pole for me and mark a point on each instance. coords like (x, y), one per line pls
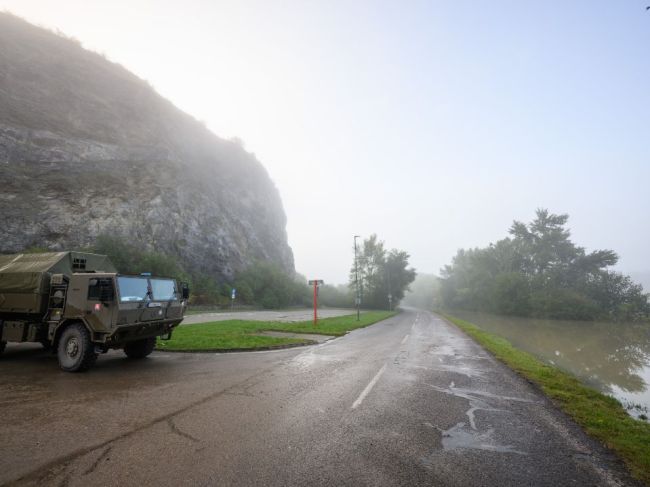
(315, 283)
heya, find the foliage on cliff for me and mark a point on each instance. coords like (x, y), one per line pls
(538, 271)
(263, 284)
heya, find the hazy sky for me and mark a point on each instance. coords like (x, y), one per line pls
(433, 124)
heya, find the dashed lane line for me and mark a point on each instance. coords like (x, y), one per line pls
(368, 388)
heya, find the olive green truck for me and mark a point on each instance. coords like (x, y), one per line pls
(77, 304)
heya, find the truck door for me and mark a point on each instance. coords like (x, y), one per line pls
(101, 307)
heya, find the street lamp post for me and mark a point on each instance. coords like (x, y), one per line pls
(356, 278)
(390, 294)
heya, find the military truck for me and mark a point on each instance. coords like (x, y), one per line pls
(79, 306)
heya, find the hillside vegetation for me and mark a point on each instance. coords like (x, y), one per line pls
(261, 284)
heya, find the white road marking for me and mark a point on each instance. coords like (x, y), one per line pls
(405, 338)
(368, 388)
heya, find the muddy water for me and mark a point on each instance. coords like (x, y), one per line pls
(613, 357)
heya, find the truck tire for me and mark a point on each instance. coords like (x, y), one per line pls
(140, 348)
(75, 351)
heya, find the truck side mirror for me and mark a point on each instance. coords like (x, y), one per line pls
(185, 290)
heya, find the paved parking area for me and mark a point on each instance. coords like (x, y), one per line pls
(266, 315)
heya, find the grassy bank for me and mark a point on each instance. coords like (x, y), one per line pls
(601, 416)
(244, 335)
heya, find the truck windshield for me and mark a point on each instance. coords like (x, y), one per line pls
(132, 288)
(163, 289)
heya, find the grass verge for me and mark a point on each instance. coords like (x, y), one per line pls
(601, 416)
(244, 335)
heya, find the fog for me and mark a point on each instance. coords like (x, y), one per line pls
(432, 124)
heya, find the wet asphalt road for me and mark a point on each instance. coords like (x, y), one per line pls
(409, 401)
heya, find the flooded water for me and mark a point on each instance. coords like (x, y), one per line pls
(613, 357)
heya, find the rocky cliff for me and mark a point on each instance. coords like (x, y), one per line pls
(87, 148)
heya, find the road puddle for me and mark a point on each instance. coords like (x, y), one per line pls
(443, 350)
(461, 437)
(467, 435)
(469, 372)
(313, 356)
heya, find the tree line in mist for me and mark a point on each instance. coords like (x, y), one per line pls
(263, 284)
(538, 271)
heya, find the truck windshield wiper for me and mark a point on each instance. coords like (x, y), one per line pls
(144, 298)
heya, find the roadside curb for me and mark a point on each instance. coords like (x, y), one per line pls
(237, 350)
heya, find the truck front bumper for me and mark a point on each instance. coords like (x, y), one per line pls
(138, 331)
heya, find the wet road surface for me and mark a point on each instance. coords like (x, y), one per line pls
(408, 401)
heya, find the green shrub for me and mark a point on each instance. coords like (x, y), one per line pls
(511, 294)
(335, 296)
(132, 259)
(267, 285)
(563, 304)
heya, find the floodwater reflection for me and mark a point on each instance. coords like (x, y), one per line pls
(613, 357)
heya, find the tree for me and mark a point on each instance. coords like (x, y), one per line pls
(340, 296)
(266, 284)
(381, 273)
(539, 271)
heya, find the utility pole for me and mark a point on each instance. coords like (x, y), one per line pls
(390, 295)
(356, 278)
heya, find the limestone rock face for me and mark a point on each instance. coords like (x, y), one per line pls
(87, 148)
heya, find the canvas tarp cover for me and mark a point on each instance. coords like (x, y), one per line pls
(24, 282)
(23, 273)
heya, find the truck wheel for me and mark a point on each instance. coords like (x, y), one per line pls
(75, 351)
(140, 348)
